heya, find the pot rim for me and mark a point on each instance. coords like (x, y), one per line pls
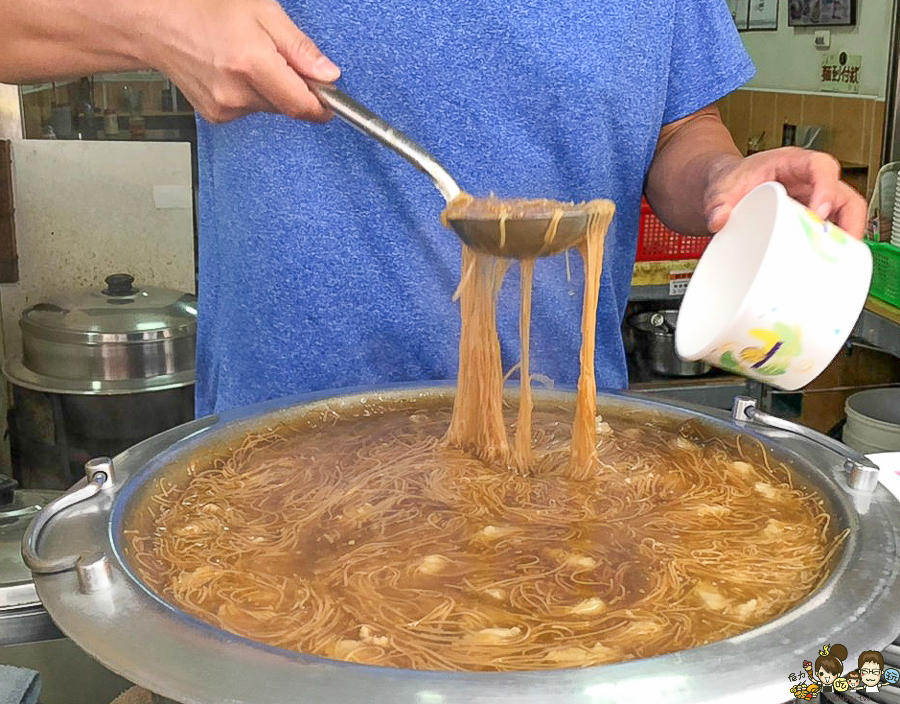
(92, 338)
(17, 373)
(203, 664)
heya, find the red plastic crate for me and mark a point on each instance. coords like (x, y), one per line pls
(656, 242)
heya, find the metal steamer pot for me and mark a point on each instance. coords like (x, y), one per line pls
(100, 370)
(75, 548)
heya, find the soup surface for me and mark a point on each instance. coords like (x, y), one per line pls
(373, 540)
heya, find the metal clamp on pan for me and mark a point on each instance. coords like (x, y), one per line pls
(862, 473)
(93, 570)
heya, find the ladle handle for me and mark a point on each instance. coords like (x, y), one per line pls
(370, 124)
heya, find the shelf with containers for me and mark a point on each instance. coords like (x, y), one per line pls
(115, 106)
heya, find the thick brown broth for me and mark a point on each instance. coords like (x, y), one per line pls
(372, 540)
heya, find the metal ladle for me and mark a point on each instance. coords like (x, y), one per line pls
(524, 235)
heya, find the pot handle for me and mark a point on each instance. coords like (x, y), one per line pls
(99, 478)
(862, 474)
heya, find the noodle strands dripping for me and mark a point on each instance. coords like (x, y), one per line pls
(475, 425)
(522, 455)
(584, 433)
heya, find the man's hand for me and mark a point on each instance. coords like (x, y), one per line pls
(234, 57)
(813, 178)
(698, 176)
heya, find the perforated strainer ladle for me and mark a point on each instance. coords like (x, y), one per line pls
(524, 233)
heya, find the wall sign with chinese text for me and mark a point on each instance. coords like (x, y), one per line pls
(840, 72)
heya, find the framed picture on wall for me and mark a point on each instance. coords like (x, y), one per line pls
(762, 15)
(821, 13)
(740, 13)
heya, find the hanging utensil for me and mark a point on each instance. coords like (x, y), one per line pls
(522, 235)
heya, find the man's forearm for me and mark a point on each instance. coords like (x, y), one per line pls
(44, 39)
(688, 155)
(229, 57)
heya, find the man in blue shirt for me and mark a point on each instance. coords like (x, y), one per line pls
(322, 260)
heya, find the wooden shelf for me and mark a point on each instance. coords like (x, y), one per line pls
(657, 273)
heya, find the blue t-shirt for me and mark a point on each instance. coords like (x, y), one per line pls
(323, 263)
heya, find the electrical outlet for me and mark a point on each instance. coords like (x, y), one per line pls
(822, 38)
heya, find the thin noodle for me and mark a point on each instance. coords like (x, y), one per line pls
(584, 434)
(522, 456)
(370, 539)
(476, 425)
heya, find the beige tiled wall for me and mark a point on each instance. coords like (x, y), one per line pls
(853, 127)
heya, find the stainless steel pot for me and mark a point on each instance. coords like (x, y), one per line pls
(99, 371)
(115, 340)
(28, 636)
(83, 577)
(653, 335)
(22, 618)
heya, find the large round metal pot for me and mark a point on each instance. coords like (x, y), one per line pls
(102, 605)
(100, 370)
(115, 339)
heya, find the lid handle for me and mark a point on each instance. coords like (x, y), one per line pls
(119, 285)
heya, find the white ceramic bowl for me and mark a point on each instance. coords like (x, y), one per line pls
(776, 293)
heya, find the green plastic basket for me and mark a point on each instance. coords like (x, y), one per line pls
(885, 272)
